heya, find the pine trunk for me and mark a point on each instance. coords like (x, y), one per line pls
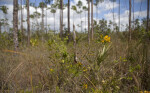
(42, 18)
(15, 24)
(28, 22)
(92, 35)
(69, 20)
(22, 21)
(89, 21)
(129, 20)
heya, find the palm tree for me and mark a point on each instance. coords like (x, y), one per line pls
(15, 24)
(28, 22)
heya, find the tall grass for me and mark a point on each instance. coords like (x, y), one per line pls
(49, 67)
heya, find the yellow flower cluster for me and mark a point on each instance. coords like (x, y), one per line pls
(145, 91)
(85, 86)
(105, 38)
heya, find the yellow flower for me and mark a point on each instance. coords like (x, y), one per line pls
(102, 41)
(103, 81)
(79, 63)
(84, 69)
(107, 38)
(63, 61)
(51, 70)
(101, 36)
(141, 91)
(85, 86)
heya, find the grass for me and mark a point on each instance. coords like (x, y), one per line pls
(48, 67)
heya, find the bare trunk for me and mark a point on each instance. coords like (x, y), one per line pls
(0, 28)
(46, 21)
(96, 11)
(81, 22)
(145, 78)
(92, 35)
(61, 18)
(133, 16)
(85, 20)
(22, 21)
(129, 20)
(28, 22)
(89, 21)
(69, 21)
(54, 22)
(15, 24)
(113, 16)
(74, 40)
(42, 30)
(62, 15)
(119, 16)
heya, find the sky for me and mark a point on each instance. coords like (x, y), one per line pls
(104, 12)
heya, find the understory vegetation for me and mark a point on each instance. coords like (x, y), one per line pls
(104, 66)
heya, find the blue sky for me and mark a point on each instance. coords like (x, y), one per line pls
(104, 11)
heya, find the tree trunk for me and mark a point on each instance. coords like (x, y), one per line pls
(22, 22)
(96, 11)
(81, 22)
(42, 30)
(89, 21)
(61, 18)
(54, 22)
(85, 20)
(145, 79)
(119, 16)
(92, 35)
(69, 21)
(42, 18)
(74, 41)
(129, 20)
(0, 28)
(28, 22)
(133, 16)
(113, 16)
(46, 21)
(15, 24)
